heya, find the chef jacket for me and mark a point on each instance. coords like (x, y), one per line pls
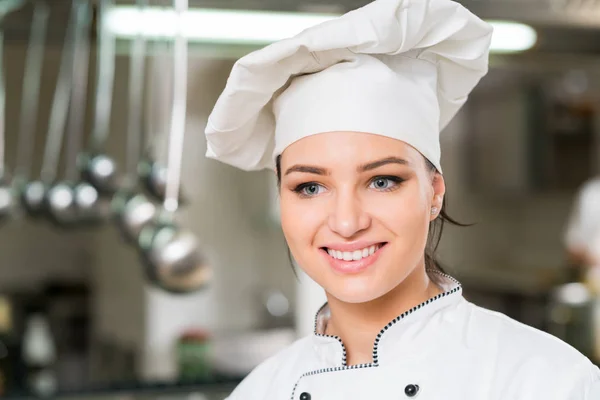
(583, 231)
(445, 348)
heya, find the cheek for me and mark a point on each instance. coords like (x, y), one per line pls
(402, 213)
(300, 219)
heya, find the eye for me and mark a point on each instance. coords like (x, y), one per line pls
(309, 189)
(385, 182)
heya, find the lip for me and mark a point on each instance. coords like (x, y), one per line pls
(351, 246)
(353, 267)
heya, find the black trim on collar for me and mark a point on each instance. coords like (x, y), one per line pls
(375, 362)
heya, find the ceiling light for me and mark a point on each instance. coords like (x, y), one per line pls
(511, 37)
(257, 27)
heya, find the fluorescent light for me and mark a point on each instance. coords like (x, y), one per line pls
(206, 25)
(258, 27)
(512, 36)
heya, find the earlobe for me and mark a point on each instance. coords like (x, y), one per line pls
(436, 205)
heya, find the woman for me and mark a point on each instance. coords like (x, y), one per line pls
(348, 114)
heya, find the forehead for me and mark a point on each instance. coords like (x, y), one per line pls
(347, 148)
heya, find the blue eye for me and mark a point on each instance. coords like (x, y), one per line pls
(385, 182)
(309, 189)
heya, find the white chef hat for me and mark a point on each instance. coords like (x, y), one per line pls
(397, 68)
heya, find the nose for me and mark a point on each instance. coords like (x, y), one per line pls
(348, 216)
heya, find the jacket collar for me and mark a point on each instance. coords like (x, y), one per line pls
(401, 336)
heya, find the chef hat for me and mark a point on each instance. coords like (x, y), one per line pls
(397, 68)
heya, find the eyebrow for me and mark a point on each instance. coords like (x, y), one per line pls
(311, 169)
(380, 163)
(308, 169)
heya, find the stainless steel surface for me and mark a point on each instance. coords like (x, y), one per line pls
(62, 197)
(133, 212)
(7, 200)
(105, 80)
(172, 255)
(60, 106)
(34, 62)
(79, 90)
(99, 168)
(173, 259)
(178, 116)
(137, 76)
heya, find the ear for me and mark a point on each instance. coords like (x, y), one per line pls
(439, 190)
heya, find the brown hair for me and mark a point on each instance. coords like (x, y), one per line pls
(436, 228)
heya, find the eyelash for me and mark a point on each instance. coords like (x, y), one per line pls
(394, 179)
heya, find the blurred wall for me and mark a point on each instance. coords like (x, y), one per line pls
(514, 229)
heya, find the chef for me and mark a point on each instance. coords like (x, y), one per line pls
(348, 114)
(582, 237)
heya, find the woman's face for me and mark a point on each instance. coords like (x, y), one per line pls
(355, 211)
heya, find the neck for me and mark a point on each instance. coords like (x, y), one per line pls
(358, 324)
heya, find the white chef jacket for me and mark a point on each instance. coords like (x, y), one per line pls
(445, 348)
(583, 230)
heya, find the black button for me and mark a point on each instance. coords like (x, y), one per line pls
(411, 390)
(305, 396)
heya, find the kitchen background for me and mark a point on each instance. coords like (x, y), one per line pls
(78, 313)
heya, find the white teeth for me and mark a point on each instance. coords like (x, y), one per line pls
(353, 255)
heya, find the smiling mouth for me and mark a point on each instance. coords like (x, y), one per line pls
(355, 255)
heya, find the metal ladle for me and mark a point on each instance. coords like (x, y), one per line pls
(98, 168)
(31, 193)
(153, 174)
(8, 202)
(59, 196)
(87, 205)
(172, 255)
(133, 210)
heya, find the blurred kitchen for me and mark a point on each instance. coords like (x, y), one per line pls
(130, 265)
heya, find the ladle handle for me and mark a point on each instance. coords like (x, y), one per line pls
(31, 89)
(7, 8)
(60, 104)
(178, 113)
(155, 98)
(104, 78)
(79, 89)
(2, 108)
(137, 69)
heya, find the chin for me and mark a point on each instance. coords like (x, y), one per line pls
(357, 292)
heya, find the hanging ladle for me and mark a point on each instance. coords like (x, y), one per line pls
(153, 174)
(172, 255)
(86, 203)
(31, 193)
(8, 202)
(7, 198)
(133, 210)
(59, 197)
(98, 168)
